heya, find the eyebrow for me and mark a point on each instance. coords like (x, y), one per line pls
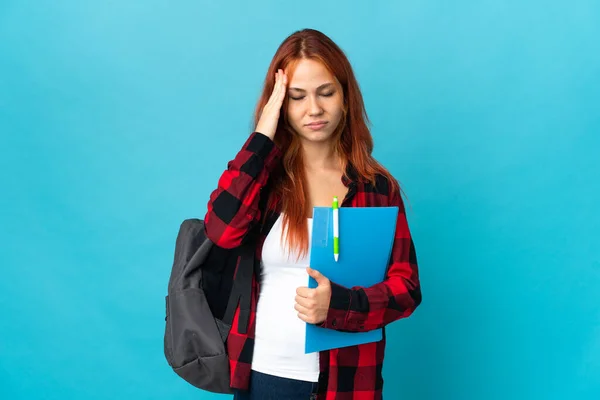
(320, 87)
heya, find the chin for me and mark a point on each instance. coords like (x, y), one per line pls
(315, 136)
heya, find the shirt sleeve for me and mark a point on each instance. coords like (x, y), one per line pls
(360, 309)
(233, 207)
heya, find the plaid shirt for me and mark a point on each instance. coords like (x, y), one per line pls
(235, 211)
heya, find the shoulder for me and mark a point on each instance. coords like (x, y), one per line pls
(383, 185)
(385, 190)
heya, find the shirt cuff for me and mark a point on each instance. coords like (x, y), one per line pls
(263, 147)
(339, 306)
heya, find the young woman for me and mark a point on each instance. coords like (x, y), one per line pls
(311, 143)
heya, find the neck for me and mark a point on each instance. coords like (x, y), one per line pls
(319, 156)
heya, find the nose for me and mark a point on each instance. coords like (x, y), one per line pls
(314, 108)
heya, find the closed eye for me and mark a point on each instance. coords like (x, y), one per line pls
(301, 97)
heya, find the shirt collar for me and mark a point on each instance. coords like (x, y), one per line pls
(350, 178)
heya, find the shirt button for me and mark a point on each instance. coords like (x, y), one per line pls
(362, 327)
(333, 323)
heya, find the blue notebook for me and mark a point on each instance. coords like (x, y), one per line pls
(366, 239)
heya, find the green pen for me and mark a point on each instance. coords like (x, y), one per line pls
(336, 229)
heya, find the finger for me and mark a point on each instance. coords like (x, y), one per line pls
(304, 318)
(283, 82)
(306, 303)
(280, 89)
(282, 77)
(304, 292)
(278, 95)
(282, 97)
(301, 309)
(276, 98)
(277, 78)
(316, 275)
(273, 94)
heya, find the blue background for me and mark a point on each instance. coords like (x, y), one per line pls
(117, 118)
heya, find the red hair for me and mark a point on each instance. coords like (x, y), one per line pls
(353, 140)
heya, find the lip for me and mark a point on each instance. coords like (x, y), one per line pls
(315, 126)
(317, 123)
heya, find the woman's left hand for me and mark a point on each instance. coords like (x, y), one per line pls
(312, 304)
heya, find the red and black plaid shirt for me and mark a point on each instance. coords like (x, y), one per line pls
(236, 208)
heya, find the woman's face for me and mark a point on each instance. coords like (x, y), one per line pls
(314, 96)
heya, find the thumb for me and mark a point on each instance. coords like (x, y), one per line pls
(316, 275)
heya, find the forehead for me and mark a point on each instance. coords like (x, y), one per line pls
(310, 74)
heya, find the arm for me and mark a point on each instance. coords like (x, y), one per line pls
(233, 206)
(361, 309)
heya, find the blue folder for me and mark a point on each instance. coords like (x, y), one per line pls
(366, 239)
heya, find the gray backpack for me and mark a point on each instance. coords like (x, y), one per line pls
(206, 284)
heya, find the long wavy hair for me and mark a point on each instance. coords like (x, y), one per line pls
(353, 142)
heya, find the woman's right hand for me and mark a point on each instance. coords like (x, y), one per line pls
(267, 123)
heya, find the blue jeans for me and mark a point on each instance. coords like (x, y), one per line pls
(269, 387)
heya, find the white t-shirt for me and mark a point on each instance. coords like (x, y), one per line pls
(280, 334)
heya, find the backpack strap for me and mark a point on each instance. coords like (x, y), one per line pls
(241, 291)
